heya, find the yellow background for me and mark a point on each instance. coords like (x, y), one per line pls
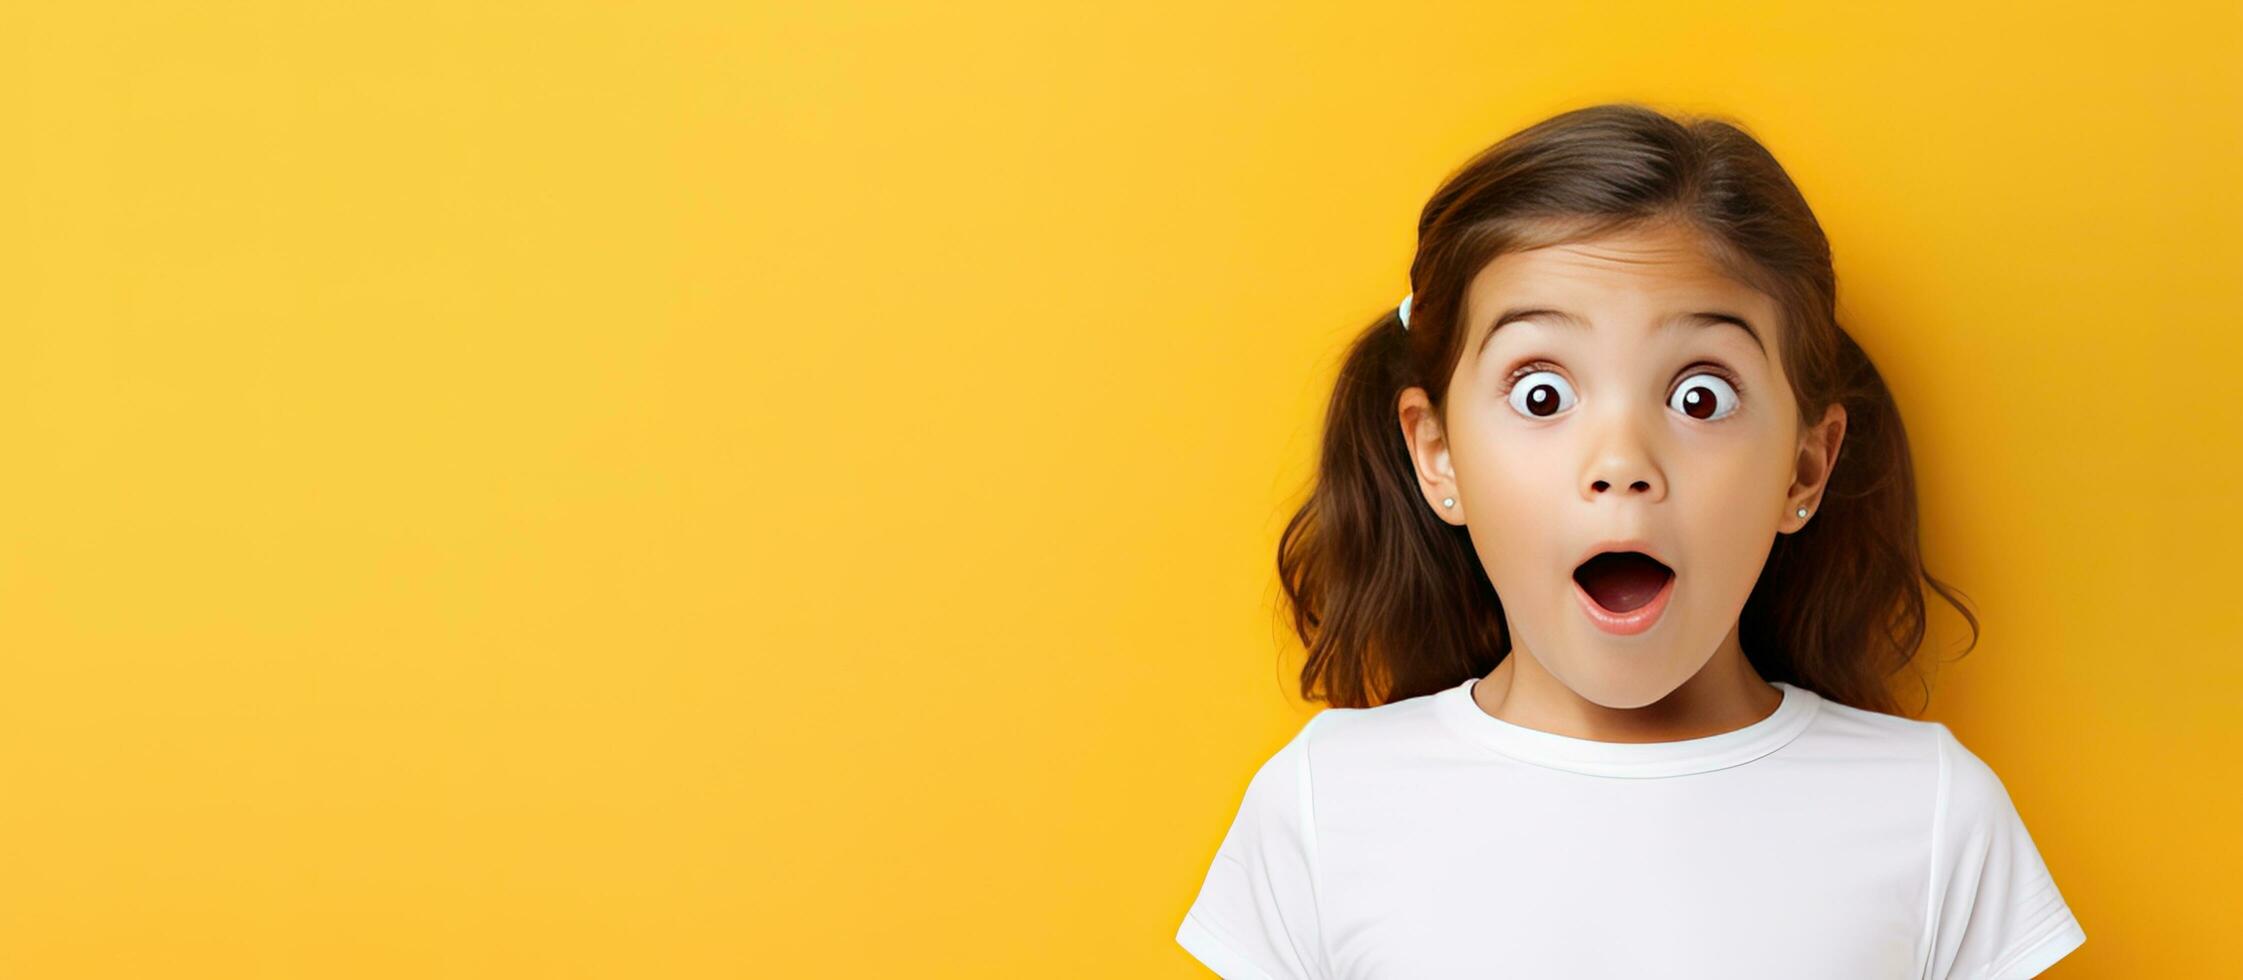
(579, 490)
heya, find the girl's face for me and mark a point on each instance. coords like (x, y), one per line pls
(1621, 394)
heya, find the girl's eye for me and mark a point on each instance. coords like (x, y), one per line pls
(1540, 394)
(1705, 397)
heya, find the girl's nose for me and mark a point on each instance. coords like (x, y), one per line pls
(1623, 460)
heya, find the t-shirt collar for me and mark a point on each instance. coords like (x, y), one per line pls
(1591, 757)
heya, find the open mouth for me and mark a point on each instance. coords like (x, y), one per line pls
(1622, 582)
(1623, 592)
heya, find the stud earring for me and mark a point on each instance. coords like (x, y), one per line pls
(1448, 501)
(1801, 512)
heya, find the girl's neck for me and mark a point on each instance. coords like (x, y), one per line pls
(1727, 694)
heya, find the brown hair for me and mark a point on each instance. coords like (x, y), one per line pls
(1392, 601)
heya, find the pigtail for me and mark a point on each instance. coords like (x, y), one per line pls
(1390, 600)
(1838, 607)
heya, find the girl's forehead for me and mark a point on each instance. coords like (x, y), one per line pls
(1617, 276)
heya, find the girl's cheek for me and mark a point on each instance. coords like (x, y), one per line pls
(1527, 450)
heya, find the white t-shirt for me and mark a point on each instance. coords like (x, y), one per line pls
(1425, 838)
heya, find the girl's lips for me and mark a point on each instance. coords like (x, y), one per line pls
(1634, 620)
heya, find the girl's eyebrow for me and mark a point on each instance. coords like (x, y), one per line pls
(1707, 318)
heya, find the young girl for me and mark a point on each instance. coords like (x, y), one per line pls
(1611, 554)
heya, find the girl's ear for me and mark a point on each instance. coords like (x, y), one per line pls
(1818, 454)
(1429, 454)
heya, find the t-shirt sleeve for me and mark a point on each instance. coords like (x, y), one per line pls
(1255, 917)
(1999, 914)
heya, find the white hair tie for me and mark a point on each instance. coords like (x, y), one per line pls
(1404, 311)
